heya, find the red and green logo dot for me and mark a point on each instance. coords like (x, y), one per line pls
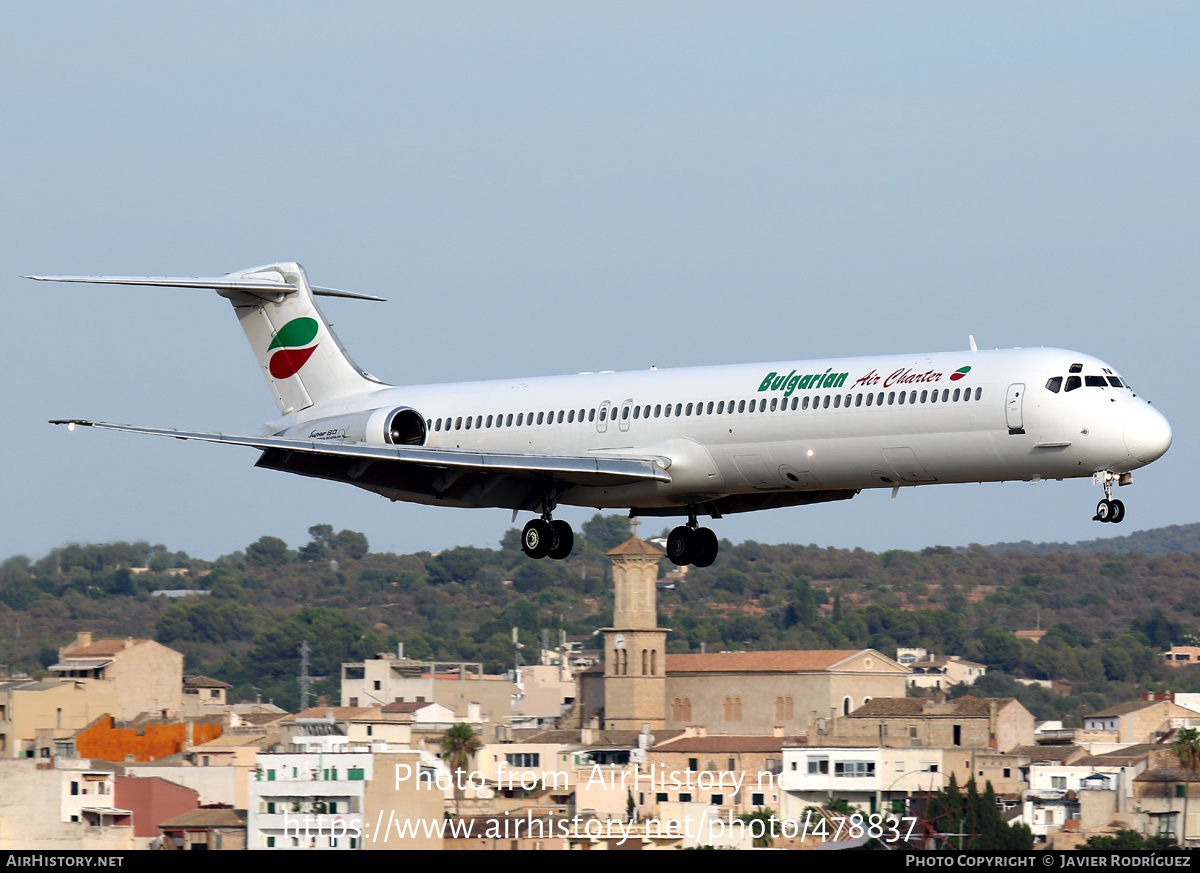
(959, 373)
(293, 342)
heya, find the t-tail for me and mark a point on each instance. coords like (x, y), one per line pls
(297, 351)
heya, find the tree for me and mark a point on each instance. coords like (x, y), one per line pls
(1129, 840)
(459, 743)
(267, 552)
(763, 815)
(1186, 749)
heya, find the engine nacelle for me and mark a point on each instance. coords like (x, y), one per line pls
(399, 426)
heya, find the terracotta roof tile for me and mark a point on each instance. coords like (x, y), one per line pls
(722, 743)
(767, 662)
(634, 547)
(912, 707)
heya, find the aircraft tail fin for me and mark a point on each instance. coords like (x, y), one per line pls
(296, 349)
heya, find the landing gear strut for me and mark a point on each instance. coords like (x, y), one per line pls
(1109, 510)
(692, 544)
(544, 537)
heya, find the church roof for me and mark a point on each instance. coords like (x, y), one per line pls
(634, 547)
(770, 662)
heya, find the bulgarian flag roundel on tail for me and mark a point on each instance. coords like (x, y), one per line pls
(295, 346)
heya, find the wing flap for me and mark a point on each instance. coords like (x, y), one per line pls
(631, 468)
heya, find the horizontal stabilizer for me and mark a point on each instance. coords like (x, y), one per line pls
(263, 287)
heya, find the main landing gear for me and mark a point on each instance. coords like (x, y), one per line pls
(691, 544)
(1109, 510)
(546, 538)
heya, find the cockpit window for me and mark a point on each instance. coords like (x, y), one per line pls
(1095, 381)
(1115, 382)
(1054, 384)
(1075, 368)
(1074, 382)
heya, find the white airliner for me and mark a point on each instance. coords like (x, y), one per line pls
(685, 442)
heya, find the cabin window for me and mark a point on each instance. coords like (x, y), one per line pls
(508, 421)
(560, 416)
(478, 422)
(837, 401)
(689, 409)
(795, 402)
(858, 400)
(710, 408)
(541, 417)
(804, 403)
(978, 393)
(945, 395)
(870, 397)
(891, 397)
(879, 399)
(923, 393)
(741, 406)
(489, 421)
(956, 393)
(678, 409)
(637, 412)
(458, 423)
(900, 399)
(667, 411)
(571, 417)
(592, 415)
(625, 413)
(437, 425)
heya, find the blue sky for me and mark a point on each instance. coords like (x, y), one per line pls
(544, 188)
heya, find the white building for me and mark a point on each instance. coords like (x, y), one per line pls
(309, 800)
(870, 778)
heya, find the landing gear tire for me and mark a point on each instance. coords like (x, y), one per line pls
(688, 545)
(537, 538)
(679, 546)
(563, 540)
(706, 547)
(1104, 511)
(1118, 512)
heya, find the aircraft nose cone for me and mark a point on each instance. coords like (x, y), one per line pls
(1147, 435)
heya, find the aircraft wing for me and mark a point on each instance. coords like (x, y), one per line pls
(432, 472)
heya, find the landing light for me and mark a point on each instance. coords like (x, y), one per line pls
(809, 453)
(71, 426)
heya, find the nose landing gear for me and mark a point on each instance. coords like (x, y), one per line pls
(1109, 510)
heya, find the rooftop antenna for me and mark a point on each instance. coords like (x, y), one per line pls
(305, 678)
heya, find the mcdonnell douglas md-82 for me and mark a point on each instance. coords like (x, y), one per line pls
(685, 442)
